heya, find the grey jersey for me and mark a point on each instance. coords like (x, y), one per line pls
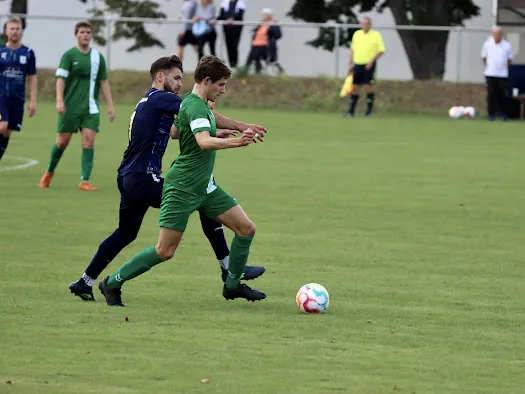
(205, 13)
(188, 12)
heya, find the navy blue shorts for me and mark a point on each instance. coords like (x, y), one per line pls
(12, 112)
(138, 192)
(362, 76)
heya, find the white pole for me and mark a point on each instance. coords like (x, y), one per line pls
(495, 7)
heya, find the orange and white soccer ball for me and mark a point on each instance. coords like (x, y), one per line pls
(312, 298)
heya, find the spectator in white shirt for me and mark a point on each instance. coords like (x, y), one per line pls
(232, 11)
(497, 57)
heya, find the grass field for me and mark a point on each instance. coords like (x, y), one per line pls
(414, 225)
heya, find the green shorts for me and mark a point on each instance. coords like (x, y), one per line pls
(177, 206)
(72, 123)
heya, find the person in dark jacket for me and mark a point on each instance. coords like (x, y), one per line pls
(232, 10)
(273, 57)
(264, 39)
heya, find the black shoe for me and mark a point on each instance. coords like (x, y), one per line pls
(113, 296)
(243, 291)
(81, 289)
(250, 273)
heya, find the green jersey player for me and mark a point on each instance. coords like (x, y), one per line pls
(190, 186)
(80, 76)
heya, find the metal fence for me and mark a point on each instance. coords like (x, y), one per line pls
(51, 35)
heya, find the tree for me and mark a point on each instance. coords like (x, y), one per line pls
(128, 30)
(426, 50)
(122, 30)
(19, 7)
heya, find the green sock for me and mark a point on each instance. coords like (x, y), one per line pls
(87, 163)
(239, 253)
(139, 264)
(56, 154)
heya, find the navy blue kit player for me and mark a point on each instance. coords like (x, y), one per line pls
(17, 63)
(139, 175)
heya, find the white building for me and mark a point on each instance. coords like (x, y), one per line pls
(50, 38)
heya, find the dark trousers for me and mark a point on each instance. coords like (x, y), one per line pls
(209, 38)
(232, 36)
(257, 54)
(496, 96)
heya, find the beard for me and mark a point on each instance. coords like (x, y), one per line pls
(168, 88)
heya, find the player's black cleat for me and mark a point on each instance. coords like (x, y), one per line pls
(113, 296)
(82, 290)
(243, 291)
(250, 273)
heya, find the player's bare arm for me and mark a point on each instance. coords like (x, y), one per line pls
(226, 133)
(224, 122)
(175, 133)
(106, 91)
(33, 88)
(374, 59)
(61, 84)
(207, 142)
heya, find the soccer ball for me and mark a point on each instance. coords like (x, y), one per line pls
(312, 298)
(469, 112)
(455, 112)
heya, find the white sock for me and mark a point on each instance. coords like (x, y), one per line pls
(225, 262)
(89, 281)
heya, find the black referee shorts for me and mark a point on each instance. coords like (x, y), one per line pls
(362, 76)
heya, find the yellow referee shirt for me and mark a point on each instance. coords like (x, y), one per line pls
(365, 46)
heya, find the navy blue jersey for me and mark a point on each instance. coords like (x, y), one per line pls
(15, 65)
(149, 132)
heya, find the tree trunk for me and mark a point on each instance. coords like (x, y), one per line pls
(19, 7)
(426, 52)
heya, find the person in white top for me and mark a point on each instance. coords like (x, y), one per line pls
(232, 11)
(497, 57)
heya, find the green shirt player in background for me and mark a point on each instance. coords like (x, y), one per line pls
(190, 186)
(80, 76)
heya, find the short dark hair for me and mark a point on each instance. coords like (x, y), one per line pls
(165, 64)
(212, 67)
(82, 24)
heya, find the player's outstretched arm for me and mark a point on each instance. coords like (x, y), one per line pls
(207, 142)
(106, 91)
(226, 133)
(224, 122)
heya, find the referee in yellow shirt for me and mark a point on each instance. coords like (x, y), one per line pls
(367, 46)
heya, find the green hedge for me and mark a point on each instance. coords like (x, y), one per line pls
(308, 94)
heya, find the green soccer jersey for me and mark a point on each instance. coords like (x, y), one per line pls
(192, 171)
(83, 73)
